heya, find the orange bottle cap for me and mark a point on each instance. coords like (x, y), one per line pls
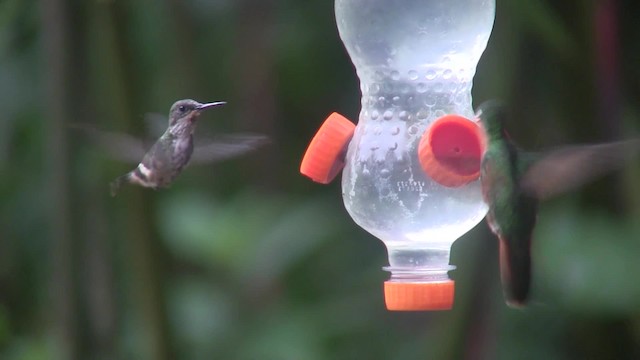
(451, 150)
(324, 157)
(402, 296)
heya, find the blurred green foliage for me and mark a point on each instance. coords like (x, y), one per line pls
(248, 259)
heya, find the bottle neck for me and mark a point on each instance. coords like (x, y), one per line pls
(417, 275)
(419, 265)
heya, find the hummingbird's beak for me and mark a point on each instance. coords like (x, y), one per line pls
(211, 104)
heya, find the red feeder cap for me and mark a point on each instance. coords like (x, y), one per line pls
(427, 296)
(451, 150)
(324, 157)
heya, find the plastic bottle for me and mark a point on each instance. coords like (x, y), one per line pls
(412, 165)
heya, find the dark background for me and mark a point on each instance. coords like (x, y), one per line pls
(247, 259)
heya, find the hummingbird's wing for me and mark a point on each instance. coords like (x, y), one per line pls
(223, 147)
(124, 147)
(119, 146)
(217, 148)
(566, 168)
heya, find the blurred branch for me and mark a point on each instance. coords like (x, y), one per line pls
(607, 79)
(255, 74)
(185, 51)
(57, 49)
(542, 21)
(99, 277)
(606, 52)
(143, 249)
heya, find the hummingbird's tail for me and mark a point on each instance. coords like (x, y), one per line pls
(117, 183)
(515, 270)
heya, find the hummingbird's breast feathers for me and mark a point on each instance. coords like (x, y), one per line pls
(182, 150)
(497, 180)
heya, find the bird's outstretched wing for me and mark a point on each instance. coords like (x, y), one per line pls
(124, 147)
(209, 149)
(119, 146)
(569, 167)
(223, 147)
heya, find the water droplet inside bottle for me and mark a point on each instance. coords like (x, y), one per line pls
(430, 101)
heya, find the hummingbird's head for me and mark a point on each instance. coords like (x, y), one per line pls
(184, 113)
(492, 115)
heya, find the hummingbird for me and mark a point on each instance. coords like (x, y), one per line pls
(514, 182)
(167, 157)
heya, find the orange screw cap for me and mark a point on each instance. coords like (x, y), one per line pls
(324, 157)
(401, 296)
(451, 150)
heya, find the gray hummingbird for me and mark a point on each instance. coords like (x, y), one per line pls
(167, 157)
(514, 182)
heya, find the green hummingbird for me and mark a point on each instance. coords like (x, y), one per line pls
(167, 157)
(514, 182)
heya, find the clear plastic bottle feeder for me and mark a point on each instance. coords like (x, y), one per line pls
(411, 165)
